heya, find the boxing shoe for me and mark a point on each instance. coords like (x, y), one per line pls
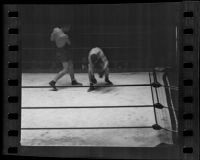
(74, 82)
(91, 88)
(108, 82)
(53, 85)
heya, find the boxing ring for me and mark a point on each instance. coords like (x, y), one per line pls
(137, 111)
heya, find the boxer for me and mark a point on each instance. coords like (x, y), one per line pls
(99, 62)
(64, 54)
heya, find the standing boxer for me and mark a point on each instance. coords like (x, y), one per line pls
(64, 55)
(99, 62)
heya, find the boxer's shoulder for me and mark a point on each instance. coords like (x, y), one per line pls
(95, 50)
(56, 29)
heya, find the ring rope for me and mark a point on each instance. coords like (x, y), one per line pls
(86, 107)
(65, 128)
(131, 85)
(170, 130)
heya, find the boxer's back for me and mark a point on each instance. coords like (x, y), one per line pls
(59, 37)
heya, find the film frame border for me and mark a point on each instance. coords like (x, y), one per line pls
(188, 95)
(189, 112)
(11, 110)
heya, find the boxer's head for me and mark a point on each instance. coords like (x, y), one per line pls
(94, 58)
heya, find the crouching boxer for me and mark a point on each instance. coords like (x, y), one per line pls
(98, 62)
(64, 54)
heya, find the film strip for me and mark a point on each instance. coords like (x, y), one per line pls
(12, 93)
(188, 39)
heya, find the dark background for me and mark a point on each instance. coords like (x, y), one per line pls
(134, 37)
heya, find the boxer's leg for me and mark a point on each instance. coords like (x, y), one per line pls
(59, 75)
(71, 70)
(71, 73)
(62, 72)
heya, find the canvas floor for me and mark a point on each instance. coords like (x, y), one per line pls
(46, 114)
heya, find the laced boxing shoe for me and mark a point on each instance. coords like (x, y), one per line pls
(108, 82)
(91, 88)
(74, 82)
(53, 85)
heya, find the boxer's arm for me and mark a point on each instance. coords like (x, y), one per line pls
(104, 60)
(68, 41)
(90, 70)
(52, 36)
(90, 66)
(105, 65)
